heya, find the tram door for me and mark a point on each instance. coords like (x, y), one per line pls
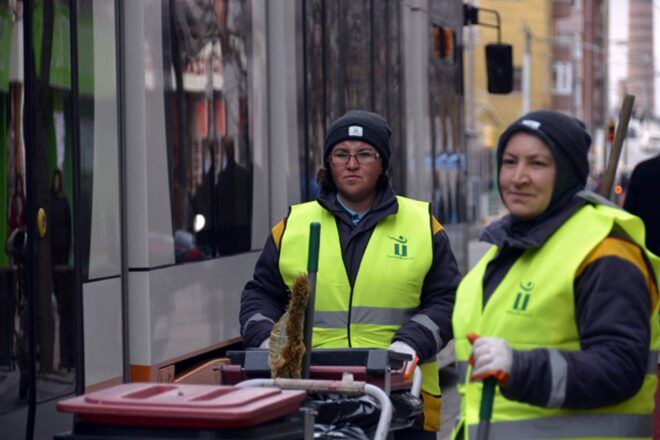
(49, 106)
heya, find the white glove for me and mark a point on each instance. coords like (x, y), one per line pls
(408, 366)
(491, 357)
(265, 343)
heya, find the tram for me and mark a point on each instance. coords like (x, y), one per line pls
(141, 172)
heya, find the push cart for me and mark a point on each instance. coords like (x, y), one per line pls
(247, 404)
(342, 373)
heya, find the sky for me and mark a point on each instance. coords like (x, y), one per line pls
(618, 51)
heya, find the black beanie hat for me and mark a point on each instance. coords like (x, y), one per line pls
(567, 139)
(562, 133)
(363, 126)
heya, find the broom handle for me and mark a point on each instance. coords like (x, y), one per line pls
(486, 408)
(617, 146)
(312, 268)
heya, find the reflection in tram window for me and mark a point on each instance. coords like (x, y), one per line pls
(17, 207)
(234, 203)
(51, 127)
(210, 153)
(59, 225)
(13, 381)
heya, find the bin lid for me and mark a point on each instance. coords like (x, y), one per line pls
(183, 405)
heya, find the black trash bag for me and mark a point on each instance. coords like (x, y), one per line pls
(346, 431)
(406, 408)
(337, 411)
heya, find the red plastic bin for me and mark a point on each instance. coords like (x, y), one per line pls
(183, 406)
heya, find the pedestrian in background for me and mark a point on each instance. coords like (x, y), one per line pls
(234, 189)
(564, 305)
(643, 199)
(59, 226)
(387, 276)
(16, 223)
(59, 222)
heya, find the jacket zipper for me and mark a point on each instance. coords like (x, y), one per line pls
(351, 281)
(348, 325)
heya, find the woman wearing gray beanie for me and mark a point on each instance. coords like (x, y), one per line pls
(562, 310)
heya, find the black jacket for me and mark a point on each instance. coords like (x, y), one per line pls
(612, 308)
(265, 297)
(643, 200)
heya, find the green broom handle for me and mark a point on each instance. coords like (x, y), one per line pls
(486, 408)
(314, 240)
(312, 268)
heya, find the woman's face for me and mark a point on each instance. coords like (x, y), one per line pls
(355, 180)
(527, 176)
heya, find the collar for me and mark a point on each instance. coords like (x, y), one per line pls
(527, 235)
(385, 204)
(355, 217)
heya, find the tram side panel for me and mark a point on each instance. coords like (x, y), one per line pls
(256, 97)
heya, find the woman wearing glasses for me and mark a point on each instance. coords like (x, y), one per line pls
(387, 276)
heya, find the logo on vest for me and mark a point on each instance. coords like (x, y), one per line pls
(400, 248)
(521, 300)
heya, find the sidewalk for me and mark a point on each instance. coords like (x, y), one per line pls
(448, 377)
(450, 401)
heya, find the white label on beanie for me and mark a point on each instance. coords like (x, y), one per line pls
(531, 124)
(355, 130)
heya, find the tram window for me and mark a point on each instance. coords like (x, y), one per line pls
(209, 147)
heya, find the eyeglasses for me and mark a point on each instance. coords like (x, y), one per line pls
(341, 157)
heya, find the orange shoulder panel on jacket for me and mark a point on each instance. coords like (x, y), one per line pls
(437, 227)
(616, 247)
(278, 231)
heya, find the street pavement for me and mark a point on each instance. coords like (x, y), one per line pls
(450, 401)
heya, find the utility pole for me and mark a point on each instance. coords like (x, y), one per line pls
(471, 134)
(469, 83)
(577, 76)
(527, 73)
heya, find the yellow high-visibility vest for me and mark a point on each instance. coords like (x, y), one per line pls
(387, 288)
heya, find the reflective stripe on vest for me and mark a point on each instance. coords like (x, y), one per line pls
(388, 285)
(364, 315)
(572, 426)
(541, 280)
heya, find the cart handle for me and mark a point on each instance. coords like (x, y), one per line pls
(417, 382)
(334, 386)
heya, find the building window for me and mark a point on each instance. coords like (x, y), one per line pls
(562, 78)
(517, 79)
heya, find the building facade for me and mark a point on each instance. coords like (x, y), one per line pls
(640, 56)
(579, 60)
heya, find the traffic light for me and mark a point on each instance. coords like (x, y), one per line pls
(610, 131)
(499, 68)
(443, 44)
